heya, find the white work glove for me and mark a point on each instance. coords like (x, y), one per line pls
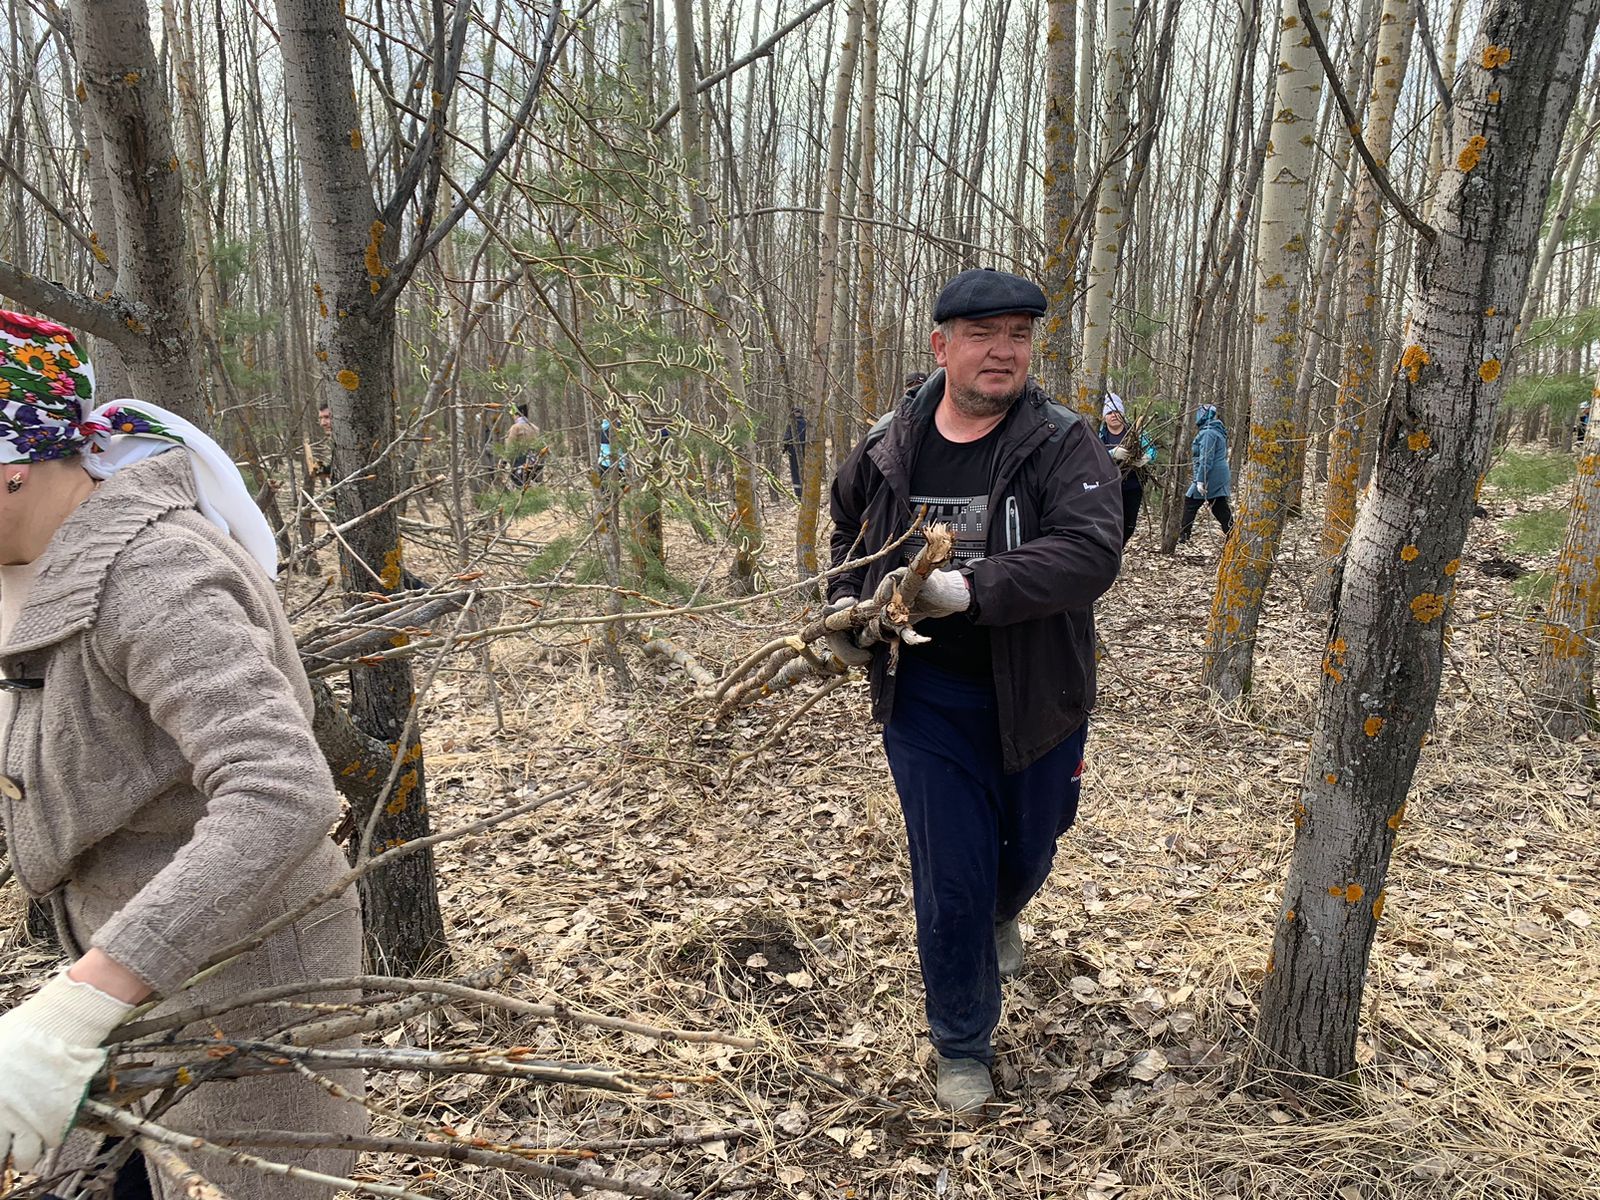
(944, 594)
(1201, 488)
(1149, 457)
(50, 1048)
(1119, 454)
(843, 641)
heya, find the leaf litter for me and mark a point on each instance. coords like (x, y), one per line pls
(774, 901)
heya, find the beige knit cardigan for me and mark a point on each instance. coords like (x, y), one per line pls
(172, 797)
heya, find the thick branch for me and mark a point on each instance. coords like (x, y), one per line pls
(102, 318)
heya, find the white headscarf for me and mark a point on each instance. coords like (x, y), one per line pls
(46, 388)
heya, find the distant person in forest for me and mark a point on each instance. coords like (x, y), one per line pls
(1213, 479)
(794, 445)
(1131, 459)
(984, 724)
(609, 458)
(321, 455)
(523, 448)
(1580, 430)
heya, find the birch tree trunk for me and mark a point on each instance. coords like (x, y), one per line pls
(354, 253)
(1566, 656)
(1110, 209)
(822, 326)
(1249, 555)
(1363, 312)
(1386, 637)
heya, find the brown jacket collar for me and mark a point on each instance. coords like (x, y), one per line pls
(72, 571)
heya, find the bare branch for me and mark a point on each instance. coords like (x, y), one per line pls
(1380, 176)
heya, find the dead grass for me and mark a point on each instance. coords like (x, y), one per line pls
(775, 903)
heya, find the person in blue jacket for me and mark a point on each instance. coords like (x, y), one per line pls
(1213, 481)
(1131, 457)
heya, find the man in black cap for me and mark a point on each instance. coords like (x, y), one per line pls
(984, 725)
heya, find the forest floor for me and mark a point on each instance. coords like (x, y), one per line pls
(771, 899)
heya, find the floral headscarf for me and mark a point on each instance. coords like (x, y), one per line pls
(47, 412)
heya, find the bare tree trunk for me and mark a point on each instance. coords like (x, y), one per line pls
(1248, 557)
(822, 326)
(1111, 216)
(1362, 311)
(147, 315)
(1386, 639)
(354, 250)
(1060, 198)
(729, 347)
(870, 392)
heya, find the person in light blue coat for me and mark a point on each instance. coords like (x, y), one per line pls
(1213, 481)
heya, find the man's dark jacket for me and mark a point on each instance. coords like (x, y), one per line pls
(1055, 545)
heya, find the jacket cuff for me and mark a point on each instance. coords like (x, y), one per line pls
(136, 945)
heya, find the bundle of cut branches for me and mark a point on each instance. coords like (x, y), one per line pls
(156, 1061)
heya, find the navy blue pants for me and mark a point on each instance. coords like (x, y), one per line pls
(981, 841)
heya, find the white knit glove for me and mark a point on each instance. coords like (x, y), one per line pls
(843, 641)
(50, 1050)
(943, 594)
(1201, 488)
(1119, 453)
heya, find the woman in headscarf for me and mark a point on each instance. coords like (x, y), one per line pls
(1131, 459)
(159, 780)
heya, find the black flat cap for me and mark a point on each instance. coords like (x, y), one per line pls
(988, 293)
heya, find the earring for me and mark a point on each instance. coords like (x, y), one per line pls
(14, 484)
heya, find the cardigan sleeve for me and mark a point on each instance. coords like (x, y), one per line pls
(181, 629)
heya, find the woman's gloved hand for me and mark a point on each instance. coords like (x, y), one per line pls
(50, 1048)
(843, 641)
(1119, 453)
(944, 593)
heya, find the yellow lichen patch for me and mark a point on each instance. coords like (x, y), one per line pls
(1398, 816)
(390, 575)
(1472, 152)
(131, 79)
(1489, 312)
(322, 356)
(374, 255)
(1289, 916)
(1495, 57)
(1494, 96)
(1490, 370)
(1413, 360)
(399, 640)
(1330, 778)
(1272, 963)
(1409, 553)
(1427, 607)
(1372, 726)
(1451, 567)
(1349, 894)
(348, 380)
(402, 794)
(355, 139)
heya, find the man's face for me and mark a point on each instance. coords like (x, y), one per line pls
(985, 361)
(325, 419)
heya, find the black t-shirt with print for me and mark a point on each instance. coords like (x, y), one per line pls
(952, 479)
